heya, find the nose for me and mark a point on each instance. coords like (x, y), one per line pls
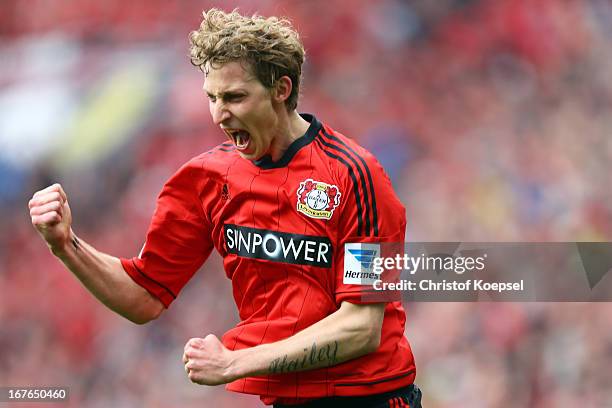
(219, 112)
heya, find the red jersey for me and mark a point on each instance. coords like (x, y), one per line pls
(281, 228)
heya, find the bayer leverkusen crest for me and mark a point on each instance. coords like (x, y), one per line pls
(317, 199)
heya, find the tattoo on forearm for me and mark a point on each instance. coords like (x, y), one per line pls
(75, 243)
(312, 356)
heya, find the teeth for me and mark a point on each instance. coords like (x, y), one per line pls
(239, 137)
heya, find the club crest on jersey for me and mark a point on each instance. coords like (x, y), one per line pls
(317, 199)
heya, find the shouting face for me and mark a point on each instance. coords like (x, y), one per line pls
(244, 109)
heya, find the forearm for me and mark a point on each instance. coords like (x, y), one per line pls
(105, 278)
(100, 273)
(339, 337)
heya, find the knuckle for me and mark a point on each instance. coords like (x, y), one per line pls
(193, 342)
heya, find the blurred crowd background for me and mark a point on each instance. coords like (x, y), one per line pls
(492, 117)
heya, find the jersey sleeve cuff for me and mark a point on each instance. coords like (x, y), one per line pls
(153, 287)
(368, 295)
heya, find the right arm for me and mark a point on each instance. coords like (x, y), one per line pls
(100, 273)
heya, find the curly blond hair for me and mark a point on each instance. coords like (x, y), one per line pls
(271, 46)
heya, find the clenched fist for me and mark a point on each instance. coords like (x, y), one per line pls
(207, 361)
(51, 216)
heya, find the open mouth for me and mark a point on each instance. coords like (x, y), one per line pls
(240, 137)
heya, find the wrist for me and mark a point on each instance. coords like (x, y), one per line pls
(244, 363)
(236, 368)
(64, 248)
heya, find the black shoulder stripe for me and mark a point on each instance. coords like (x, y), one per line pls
(355, 188)
(366, 199)
(224, 147)
(367, 170)
(153, 280)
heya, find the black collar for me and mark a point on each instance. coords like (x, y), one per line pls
(313, 130)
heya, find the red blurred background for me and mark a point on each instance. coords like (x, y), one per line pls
(491, 117)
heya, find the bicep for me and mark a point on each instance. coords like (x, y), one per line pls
(363, 323)
(144, 305)
(368, 314)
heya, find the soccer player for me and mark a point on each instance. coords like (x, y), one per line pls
(279, 200)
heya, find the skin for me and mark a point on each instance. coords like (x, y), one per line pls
(100, 273)
(350, 332)
(237, 101)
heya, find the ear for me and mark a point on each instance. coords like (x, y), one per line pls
(282, 89)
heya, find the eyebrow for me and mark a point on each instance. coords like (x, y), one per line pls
(230, 93)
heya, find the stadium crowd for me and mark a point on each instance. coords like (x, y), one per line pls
(491, 117)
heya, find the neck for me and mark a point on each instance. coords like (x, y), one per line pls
(290, 127)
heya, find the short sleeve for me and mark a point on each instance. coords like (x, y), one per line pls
(178, 240)
(373, 224)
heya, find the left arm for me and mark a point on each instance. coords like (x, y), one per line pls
(350, 332)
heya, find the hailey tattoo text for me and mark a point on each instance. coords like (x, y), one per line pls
(326, 354)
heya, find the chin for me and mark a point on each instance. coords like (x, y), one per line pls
(249, 156)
